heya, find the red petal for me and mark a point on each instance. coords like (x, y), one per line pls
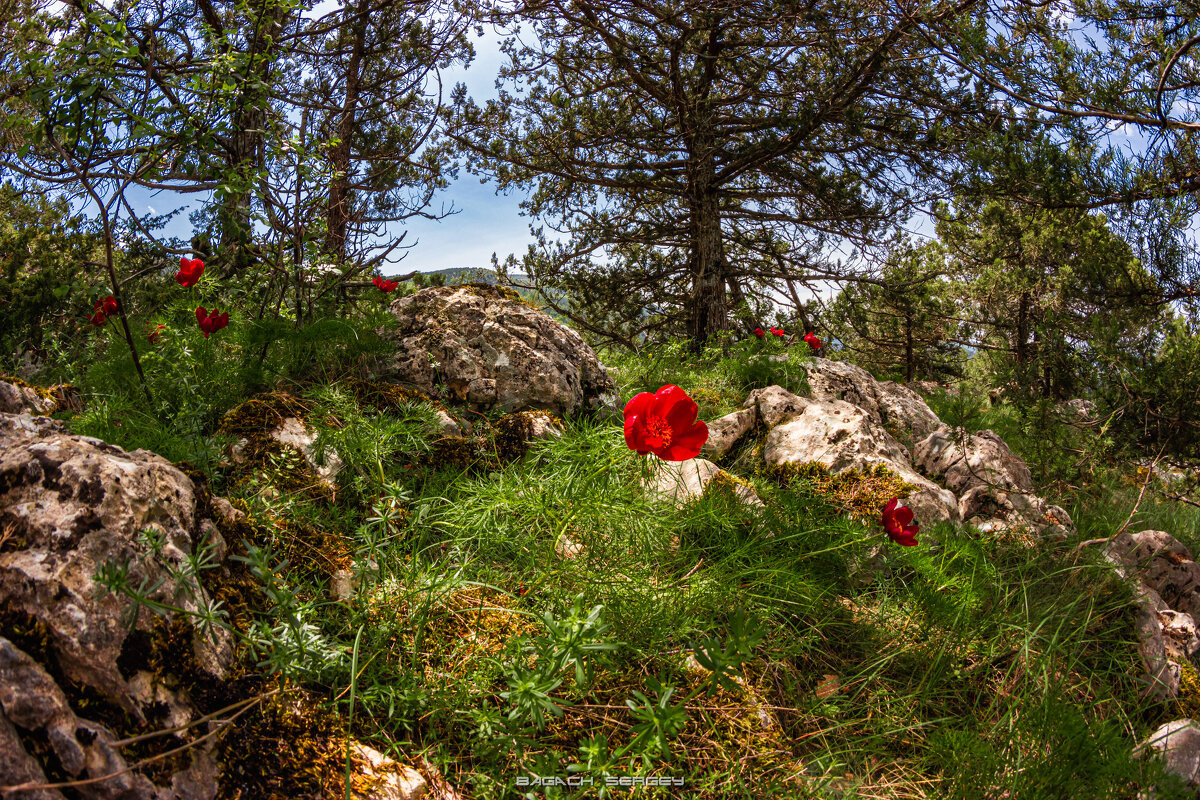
(682, 415)
(638, 404)
(666, 398)
(687, 444)
(635, 433)
(201, 315)
(903, 515)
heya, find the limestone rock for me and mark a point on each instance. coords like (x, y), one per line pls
(449, 425)
(382, 778)
(884, 402)
(567, 549)
(987, 508)
(775, 405)
(17, 399)
(726, 431)
(342, 585)
(1178, 744)
(961, 461)
(484, 346)
(71, 505)
(1160, 653)
(1162, 563)
(292, 431)
(1077, 410)
(840, 436)
(682, 481)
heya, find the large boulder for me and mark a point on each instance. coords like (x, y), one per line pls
(840, 436)
(484, 346)
(69, 506)
(962, 461)
(884, 402)
(994, 483)
(1162, 563)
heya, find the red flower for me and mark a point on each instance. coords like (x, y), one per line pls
(152, 334)
(189, 273)
(102, 310)
(211, 323)
(384, 285)
(664, 423)
(778, 331)
(758, 332)
(813, 341)
(896, 521)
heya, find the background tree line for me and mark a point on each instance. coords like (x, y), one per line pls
(697, 169)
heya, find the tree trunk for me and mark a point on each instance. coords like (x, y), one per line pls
(336, 210)
(707, 305)
(249, 128)
(908, 347)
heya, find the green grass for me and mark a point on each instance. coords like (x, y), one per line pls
(969, 666)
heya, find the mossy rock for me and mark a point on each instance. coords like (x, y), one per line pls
(513, 434)
(860, 493)
(65, 396)
(262, 413)
(383, 396)
(253, 421)
(460, 452)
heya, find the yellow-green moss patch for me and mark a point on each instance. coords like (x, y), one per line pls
(860, 493)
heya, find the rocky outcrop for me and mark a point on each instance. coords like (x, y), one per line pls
(1162, 563)
(1167, 594)
(70, 506)
(994, 484)
(484, 346)
(962, 461)
(884, 402)
(840, 436)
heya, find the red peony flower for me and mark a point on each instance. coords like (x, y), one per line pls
(384, 285)
(210, 323)
(102, 310)
(664, 423)
(778, 331)
(189, 273)
(898, 522)
(152, 334)
(813, 340)
(758, 332)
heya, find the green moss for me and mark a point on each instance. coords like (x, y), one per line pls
(287, 747)
(513, 433)
(386, 396)
(1188, 700)
(262, 455)
(860, 493)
